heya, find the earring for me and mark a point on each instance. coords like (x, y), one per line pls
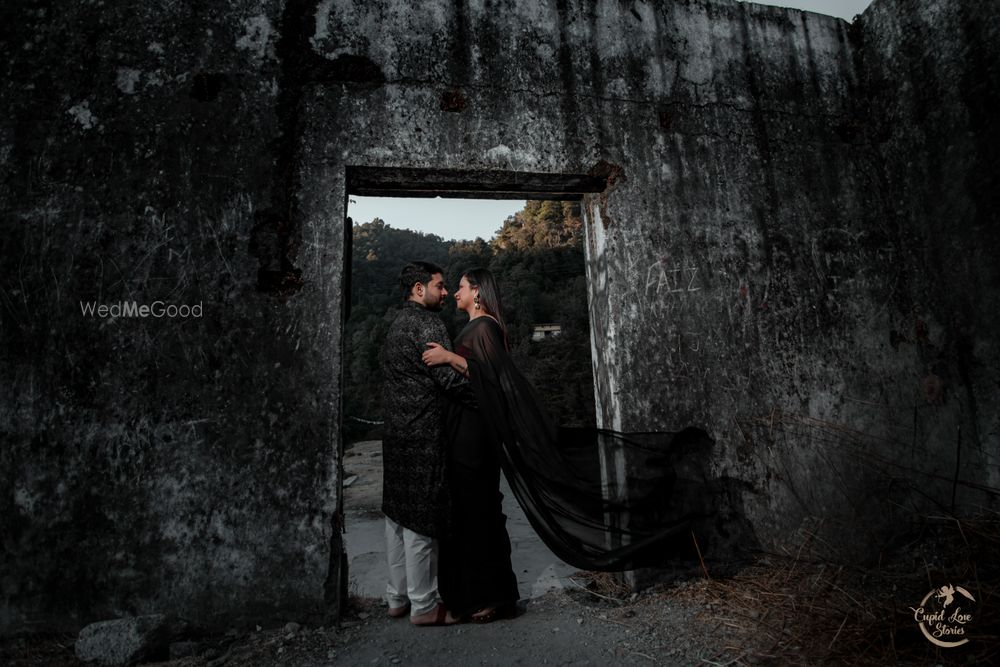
(475, 300)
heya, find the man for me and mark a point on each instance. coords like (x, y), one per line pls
(414, 494)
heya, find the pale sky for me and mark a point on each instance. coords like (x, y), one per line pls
(448, 218)
(469, 218)
(845, 9)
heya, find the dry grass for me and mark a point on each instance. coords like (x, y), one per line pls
(797, 610)
(606, 586)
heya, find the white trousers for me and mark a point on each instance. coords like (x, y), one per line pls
(413, 561)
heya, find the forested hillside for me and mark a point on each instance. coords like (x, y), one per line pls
(537, 257)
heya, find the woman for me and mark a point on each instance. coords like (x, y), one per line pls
(476, 579)
(599, 499)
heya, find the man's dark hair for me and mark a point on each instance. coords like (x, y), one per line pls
(416, 272)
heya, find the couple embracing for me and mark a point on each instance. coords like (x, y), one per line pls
(600, 499)
(446, 538)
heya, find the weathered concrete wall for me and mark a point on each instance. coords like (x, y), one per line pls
(165, 464)
(725, 291)
(751, 267)
(933, 69)
(801, 262)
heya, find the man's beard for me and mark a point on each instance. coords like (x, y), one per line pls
(436, 306)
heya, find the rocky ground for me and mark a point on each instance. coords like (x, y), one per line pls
(770, 613)
(567, 627)
(781, 609)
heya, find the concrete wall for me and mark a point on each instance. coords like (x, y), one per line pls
(800, 261)
(933, 72)
(751, 267)
(158, 464)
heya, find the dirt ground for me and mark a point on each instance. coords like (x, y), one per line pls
(781, 609)
(695, 622)
(778, 613)
(561, 628)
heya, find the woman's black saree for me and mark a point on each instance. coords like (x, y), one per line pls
(622, 518)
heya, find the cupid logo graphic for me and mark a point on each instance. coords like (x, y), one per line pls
(944, 614)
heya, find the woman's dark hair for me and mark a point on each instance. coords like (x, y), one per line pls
(489, 296)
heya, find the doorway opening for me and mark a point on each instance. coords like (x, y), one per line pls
(528, 230)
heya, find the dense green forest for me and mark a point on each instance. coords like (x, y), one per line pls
(536, 256)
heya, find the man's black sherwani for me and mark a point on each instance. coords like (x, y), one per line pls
(414, 493)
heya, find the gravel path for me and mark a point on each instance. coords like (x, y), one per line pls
(560, 628)
(563, 627)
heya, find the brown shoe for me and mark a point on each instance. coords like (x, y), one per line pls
(490, 614)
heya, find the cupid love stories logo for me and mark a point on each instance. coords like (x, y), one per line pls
(944, 615)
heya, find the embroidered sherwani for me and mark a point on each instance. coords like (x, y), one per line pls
(414, 493)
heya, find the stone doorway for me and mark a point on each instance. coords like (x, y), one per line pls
(538, 570)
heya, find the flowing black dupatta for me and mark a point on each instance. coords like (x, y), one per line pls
(599, 499)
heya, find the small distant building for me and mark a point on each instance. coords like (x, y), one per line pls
(543, 331)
